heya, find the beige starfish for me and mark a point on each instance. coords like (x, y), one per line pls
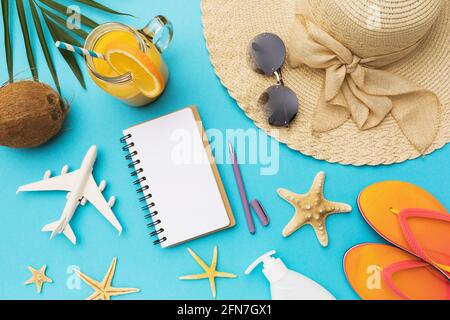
(38, 277)
(210, 271)
(312, 208)
(104, 290)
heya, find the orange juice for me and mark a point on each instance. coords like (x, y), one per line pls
(123, 84)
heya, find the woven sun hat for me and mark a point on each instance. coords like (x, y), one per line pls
(371, 76)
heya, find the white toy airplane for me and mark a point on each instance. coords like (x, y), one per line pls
(82, 188)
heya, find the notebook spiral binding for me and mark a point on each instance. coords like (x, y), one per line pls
(144, 189)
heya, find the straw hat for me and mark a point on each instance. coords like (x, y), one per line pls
(402, 43)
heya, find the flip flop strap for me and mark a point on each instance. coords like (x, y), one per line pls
(388, 273)
(410, 237)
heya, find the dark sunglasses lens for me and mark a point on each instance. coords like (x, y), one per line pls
(267, 53)
(281, 105)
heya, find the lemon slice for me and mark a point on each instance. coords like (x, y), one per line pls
(146, 76)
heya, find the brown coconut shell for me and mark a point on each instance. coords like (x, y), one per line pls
(31, 113)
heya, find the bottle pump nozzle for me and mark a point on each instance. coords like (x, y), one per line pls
(288, 284)
(274, 269)
(261, 259)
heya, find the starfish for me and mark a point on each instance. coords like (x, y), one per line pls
(38, 277)
(312, 208)
(210, 271)
(104, 290)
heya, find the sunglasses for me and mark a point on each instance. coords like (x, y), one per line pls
(267, 54)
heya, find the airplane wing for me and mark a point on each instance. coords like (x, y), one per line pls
(93, 195)
(65, 182)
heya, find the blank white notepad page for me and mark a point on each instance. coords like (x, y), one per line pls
(179, 176)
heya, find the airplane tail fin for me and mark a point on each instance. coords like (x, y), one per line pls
(53, 228)
(68, 232)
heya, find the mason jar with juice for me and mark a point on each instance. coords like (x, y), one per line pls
(134, 70)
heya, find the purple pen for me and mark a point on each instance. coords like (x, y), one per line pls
(260, 212)
(241, 187)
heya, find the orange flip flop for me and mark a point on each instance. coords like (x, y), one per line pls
(384, 272)
(410, 218)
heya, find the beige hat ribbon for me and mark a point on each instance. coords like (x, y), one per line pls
(354, 87)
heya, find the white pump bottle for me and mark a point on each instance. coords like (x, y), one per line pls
(286, 284)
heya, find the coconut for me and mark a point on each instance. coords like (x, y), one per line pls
(31, 113)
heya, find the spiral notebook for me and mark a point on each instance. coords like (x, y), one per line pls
(177, 178)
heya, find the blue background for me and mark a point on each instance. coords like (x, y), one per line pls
(96, 118)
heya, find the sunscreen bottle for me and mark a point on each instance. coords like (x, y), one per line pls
(286, 284)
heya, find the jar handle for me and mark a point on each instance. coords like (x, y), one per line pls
(160, 32)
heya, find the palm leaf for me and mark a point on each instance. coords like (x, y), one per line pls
(79, 32)
(53, 14)
(60, 34)
(99, 6)
(41, 36)
(8, 48)
(63, 10)
(26, 38)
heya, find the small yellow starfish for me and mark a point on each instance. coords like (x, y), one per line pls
(38, 277)
(104, 290)
(312, 208)
(210, 271)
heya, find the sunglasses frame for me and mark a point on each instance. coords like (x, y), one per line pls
(279, 78)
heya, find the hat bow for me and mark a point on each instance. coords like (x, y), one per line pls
(356, 87)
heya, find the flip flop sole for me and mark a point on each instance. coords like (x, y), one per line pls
(364, 264)
(379, 202)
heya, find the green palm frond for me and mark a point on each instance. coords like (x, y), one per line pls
(99, 6)
(62, 22)
(49, 16)
(8, 49)
(26, 38)
(62, 9)
(44, 46)
(58, 34)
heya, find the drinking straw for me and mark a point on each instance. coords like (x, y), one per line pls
(79, 50)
